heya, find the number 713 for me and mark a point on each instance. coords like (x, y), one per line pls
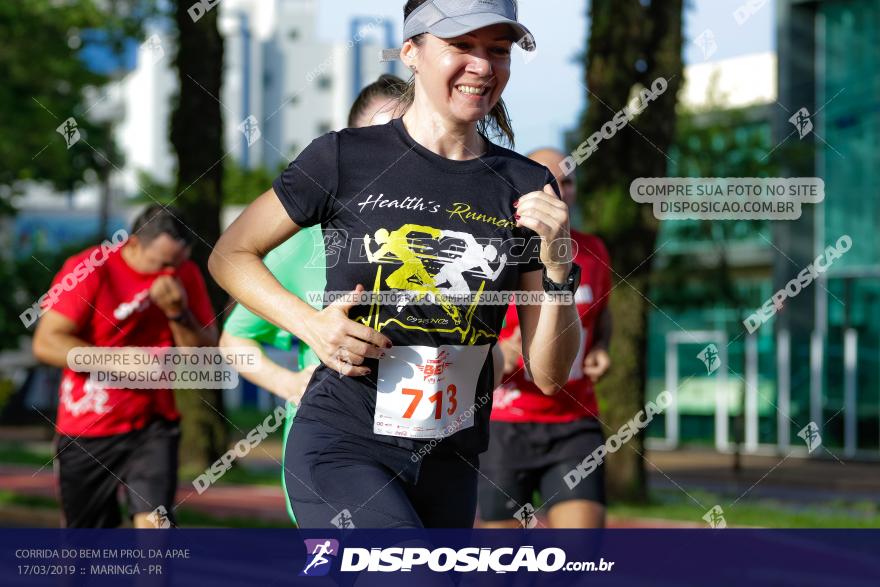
(436, 399)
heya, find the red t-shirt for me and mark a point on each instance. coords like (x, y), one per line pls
(112, 308)
(518, 399)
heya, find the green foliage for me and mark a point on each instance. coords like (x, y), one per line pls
(44, 81)
(152, 190)
(42, 85)
(715, 142)
(29, 278)
(241, 186)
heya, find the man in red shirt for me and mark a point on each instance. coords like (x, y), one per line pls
(143, 293)
(536, 439)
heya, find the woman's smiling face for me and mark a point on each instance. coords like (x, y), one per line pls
(464, 77)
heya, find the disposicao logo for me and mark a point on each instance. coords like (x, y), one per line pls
(319, 556)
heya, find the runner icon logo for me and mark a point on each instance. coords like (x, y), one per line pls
(343, 520)
(810, 434)
(159, 518)
(319, 554)
(715, 518)
(526, 516)
(710, 358)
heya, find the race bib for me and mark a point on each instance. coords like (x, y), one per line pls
(427, 392)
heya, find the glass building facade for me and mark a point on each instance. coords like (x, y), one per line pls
(847, 85)
(817, 362)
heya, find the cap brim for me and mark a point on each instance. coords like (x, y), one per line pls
(455, 26)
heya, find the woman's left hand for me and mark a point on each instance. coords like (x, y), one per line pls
(547, 215)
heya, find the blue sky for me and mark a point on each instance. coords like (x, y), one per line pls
(545, 95)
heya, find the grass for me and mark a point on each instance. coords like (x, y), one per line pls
(186, 518)
(16, 454)
(249, 418)
(19, 454)
(666, 505)
(8, 498)
(766, 513)
(190, 518)
(238, 475)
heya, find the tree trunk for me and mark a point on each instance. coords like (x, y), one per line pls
(624, 389)
(632, 44)
(197, 136)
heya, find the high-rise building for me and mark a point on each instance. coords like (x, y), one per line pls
(283, 86)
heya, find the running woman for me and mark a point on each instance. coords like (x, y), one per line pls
(299, 264)
(537, 439)
(145, 294)
(390, 428)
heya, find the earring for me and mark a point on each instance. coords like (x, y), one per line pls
(413, 69)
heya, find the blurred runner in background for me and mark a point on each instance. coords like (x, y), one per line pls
(146, 293)
(535, 439)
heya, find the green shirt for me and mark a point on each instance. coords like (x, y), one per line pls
(299, 264)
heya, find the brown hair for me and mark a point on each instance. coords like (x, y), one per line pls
(157, 220)
(387, 86)
(495, 125)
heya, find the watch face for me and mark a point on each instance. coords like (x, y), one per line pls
(571, 282)
(575, 277)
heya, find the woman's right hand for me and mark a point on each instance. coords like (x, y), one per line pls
(341, 343)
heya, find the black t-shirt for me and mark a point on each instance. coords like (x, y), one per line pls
(406, 222)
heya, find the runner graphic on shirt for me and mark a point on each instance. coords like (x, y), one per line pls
(474, 255)
(418, 247)
(399, 246)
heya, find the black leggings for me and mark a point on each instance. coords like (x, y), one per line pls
(337, 479)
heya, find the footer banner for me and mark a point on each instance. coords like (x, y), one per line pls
(738, 557)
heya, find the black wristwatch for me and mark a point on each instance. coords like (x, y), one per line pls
(571, 282)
